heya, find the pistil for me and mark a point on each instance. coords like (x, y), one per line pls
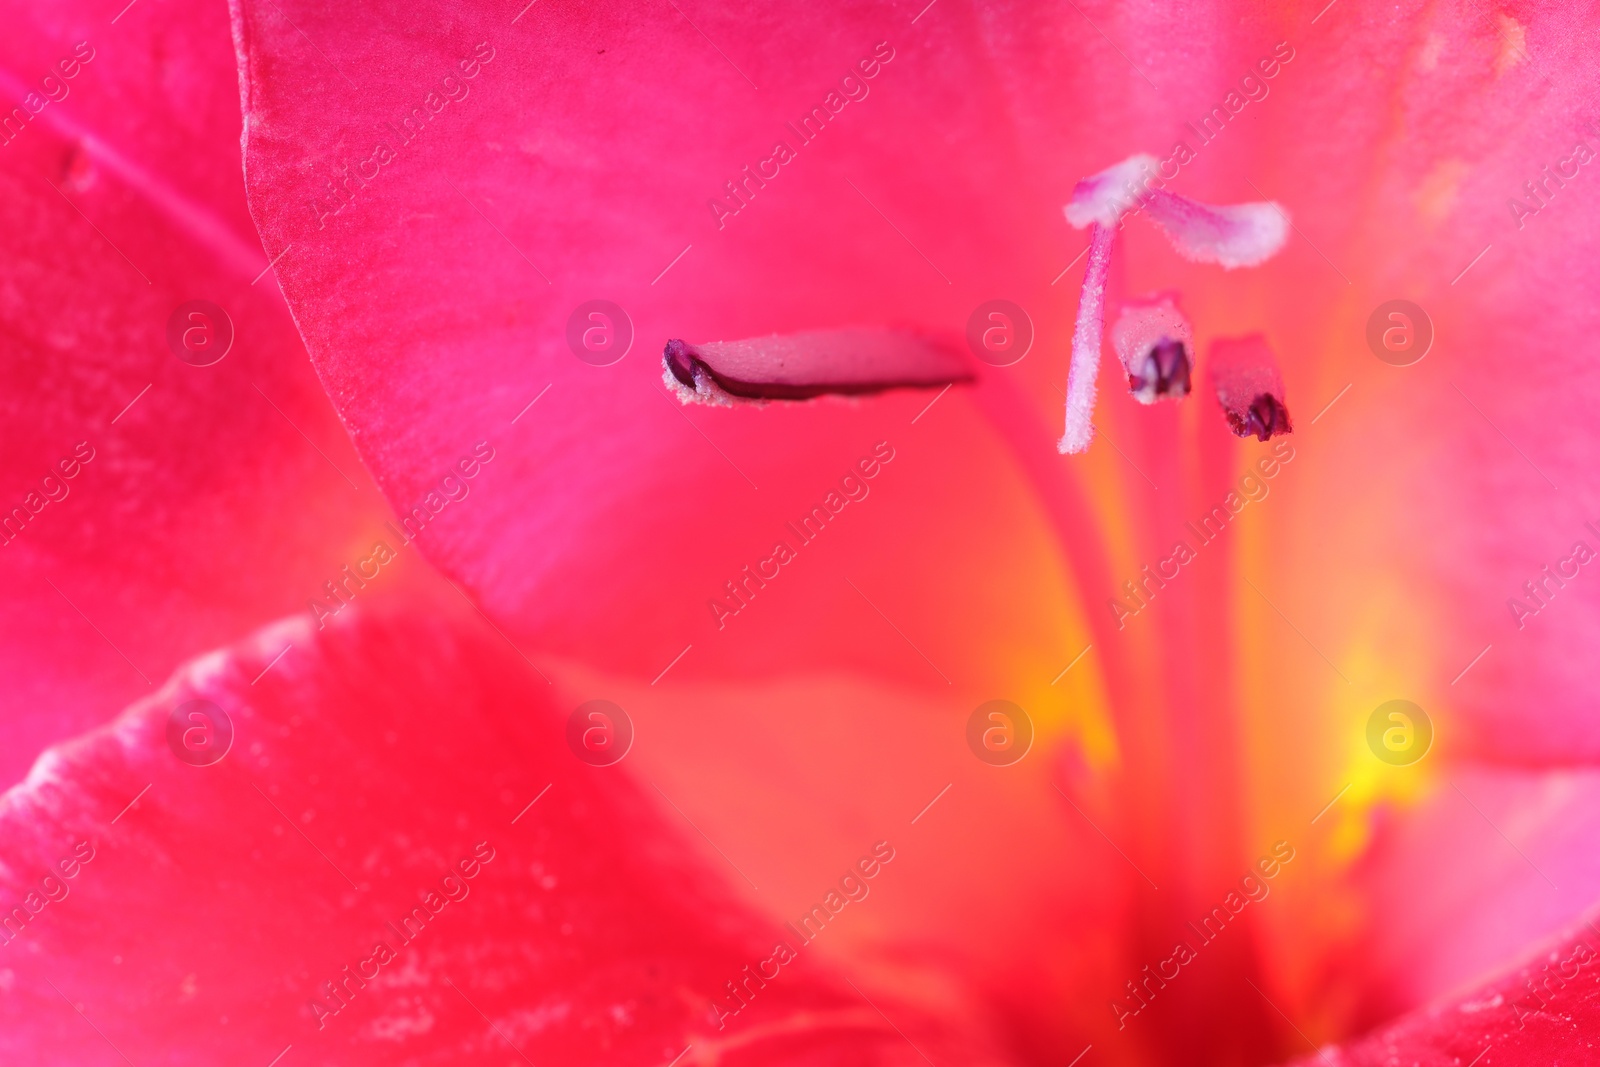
(1237, 235)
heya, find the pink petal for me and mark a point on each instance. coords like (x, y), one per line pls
(458, 339)
(1401, 211)
(206, 506)
(201, 908)
(603, 477)
(1493, 861)
(1539, 1012)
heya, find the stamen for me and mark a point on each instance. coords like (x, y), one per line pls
(1154, 341)
(1239, 235)
(1244, 372)
(1086, 342)
(804, 365)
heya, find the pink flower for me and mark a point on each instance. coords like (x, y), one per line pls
(323, 778)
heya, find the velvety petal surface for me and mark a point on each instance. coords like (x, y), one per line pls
(1541, 1011)
(440, 275)
(405, 781)
(202, 499)
(612, 520)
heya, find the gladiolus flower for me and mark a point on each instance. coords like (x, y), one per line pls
(657, 628)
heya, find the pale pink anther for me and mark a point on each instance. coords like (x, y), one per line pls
(813, 363)
(1156, 346)
(1244, 372)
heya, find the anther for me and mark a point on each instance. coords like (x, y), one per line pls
(1154, 342)
(1244, 372)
